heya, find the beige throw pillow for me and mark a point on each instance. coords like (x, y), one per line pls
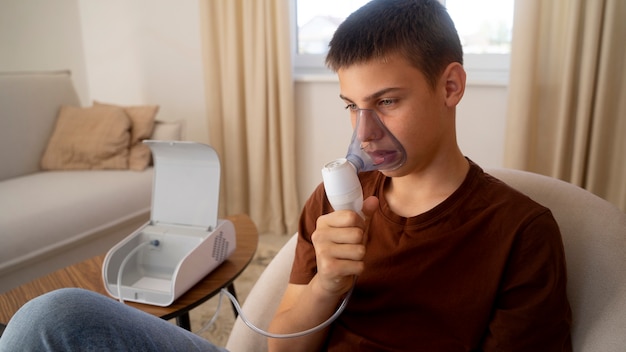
(142, 120)
(88, 138)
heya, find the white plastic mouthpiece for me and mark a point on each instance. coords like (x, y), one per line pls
(342, 185)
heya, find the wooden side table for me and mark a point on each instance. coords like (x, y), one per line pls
(88, 275)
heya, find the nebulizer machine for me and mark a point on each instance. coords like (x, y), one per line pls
(184, 239)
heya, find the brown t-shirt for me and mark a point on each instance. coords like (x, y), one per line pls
(483, 270)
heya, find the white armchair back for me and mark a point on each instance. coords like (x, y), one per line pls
(594, 237)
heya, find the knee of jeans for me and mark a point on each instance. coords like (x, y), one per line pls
(63, 300)
(62, 310)
(40, 312)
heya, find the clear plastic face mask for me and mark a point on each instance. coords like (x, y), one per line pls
(373, 146)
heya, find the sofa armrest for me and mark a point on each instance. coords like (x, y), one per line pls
(167, 131)
(29, 104)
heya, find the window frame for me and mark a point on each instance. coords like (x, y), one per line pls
(482, 69)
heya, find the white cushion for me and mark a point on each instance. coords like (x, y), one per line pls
(43, 212)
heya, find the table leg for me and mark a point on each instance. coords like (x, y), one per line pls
(231, 289)
(183, 321)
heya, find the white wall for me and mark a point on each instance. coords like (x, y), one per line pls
(149, 52)
(323, 131)
(121, 52)
(43, 35)
(481, 123)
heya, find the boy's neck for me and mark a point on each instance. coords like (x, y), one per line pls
(417, 193)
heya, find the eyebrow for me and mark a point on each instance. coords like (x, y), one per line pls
(373, 96)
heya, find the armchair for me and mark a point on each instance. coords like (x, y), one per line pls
(594, 236)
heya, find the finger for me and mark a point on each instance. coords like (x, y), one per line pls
(353, 252)
(339, 268)
(340, 218)
(370, 205)
(337, 236)
(340, 252)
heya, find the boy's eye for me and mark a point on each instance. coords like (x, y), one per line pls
(351, 107)
(386, 102)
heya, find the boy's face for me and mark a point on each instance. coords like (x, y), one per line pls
(416, 114)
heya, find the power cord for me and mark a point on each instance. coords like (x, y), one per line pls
(224, 292)
(154, 243)
(325, 324)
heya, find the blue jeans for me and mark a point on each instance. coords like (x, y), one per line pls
(78, 320)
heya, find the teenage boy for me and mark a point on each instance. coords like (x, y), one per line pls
(447, 258)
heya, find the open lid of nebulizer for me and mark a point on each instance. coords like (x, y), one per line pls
(186, 184)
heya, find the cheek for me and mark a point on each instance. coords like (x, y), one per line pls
(402, 126)
(413, 130)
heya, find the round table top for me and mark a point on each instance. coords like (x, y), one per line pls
(88, 275)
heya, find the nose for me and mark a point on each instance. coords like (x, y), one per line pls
(368, 126)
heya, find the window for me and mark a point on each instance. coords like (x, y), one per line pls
(484, 27)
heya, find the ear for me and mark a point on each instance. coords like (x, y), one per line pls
(454, 76)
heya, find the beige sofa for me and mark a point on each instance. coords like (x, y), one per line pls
(51, 219)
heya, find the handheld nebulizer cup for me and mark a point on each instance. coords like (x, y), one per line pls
(373, 147)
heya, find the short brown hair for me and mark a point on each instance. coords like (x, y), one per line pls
(419, 30)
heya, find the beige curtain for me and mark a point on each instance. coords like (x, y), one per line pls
(250, 100)
(567, 94)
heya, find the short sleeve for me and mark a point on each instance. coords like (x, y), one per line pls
(532, 312)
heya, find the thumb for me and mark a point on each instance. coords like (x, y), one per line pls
(370, 205)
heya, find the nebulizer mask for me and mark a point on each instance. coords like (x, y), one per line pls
(373, 147)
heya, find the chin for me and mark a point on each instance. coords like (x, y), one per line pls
(393, 173)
